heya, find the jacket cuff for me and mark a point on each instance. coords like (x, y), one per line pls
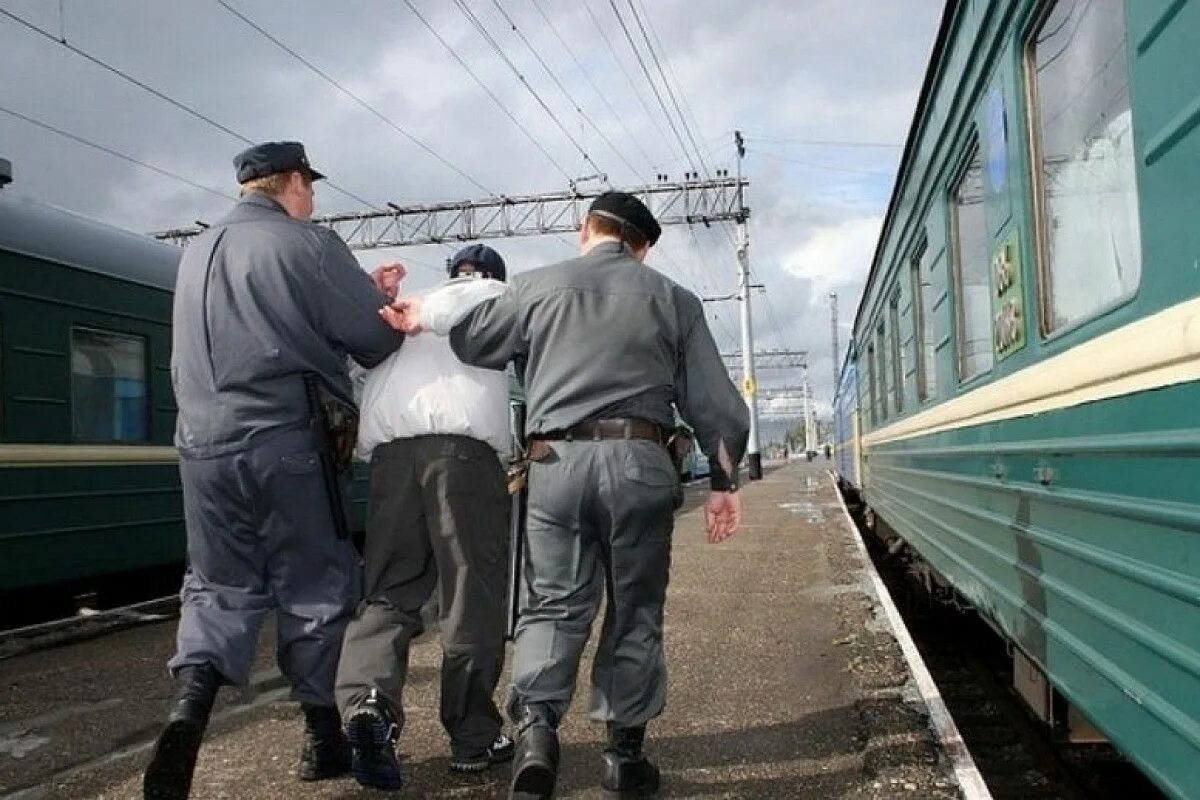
(719, 480)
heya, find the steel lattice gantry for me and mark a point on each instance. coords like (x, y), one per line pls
(772, 359)
(684, 202)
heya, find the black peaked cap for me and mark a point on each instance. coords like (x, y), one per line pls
(270, 158)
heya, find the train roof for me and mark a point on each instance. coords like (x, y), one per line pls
(53, 234)
(940, 45)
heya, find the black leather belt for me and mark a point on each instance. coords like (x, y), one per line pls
(595, 430)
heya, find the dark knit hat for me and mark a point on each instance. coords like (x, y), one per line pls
(485, 259)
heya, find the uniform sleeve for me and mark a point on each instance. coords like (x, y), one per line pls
(707, 399)
(489, 335)
(350, 306)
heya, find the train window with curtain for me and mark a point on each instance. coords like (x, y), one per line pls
(897, 352)
(108, 387)
(881, 352)
(1089, 236)
(922, 293)
(972, 276)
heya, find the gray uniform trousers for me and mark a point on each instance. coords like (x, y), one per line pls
(599, 522)
(260, 537)
(438, 521)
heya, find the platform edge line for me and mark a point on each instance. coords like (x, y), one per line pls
(970, 780)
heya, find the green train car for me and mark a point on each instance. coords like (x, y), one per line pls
(89, 478)
(89, 483)
(1027, 357)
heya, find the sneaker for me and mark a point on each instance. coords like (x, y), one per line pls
(373, 732)
(497, 752)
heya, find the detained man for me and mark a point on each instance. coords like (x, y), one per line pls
(435, 431)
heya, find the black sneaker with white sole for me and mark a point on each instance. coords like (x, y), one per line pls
(497, 752)
(372, 731)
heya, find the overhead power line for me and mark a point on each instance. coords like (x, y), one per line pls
(653, 86)
(632, 84)
(570, 99)
(679, 109)
(507, 112)
(613, 113)
(670, 92)
(499, 50)
(357, 99)
(826, 167)
(803, 142)
(115, 153)
(159, 94)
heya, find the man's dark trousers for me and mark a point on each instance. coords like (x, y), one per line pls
(599, 525)
(438, 521)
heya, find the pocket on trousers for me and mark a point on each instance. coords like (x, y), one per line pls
(649, 469)
(300, 463)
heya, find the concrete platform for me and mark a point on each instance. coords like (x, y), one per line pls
(785, 681)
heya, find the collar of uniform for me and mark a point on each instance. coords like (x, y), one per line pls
(608, 247)
(262, 201)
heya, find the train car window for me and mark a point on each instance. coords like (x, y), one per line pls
(897, 352)
(972, 285)
(1089, 236)
(922, 294)
(108, 387)
(881, 353)
(871, 373)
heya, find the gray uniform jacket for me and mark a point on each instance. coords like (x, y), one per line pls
(261, 300)
(602, 336)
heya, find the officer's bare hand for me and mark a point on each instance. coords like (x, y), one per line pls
(404, 315)
(722, 515)
(387, 278)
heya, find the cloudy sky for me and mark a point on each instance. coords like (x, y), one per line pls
(822, 89)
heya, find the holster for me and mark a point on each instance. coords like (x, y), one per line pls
(518, 468)
(334, 424)
(679, 444)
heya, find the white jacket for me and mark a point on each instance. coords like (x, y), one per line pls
(423, 388)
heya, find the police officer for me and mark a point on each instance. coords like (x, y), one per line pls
(267, 307)
(609, 345)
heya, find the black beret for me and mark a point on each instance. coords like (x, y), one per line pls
(270, 158)
(627, 209)
(483, 257)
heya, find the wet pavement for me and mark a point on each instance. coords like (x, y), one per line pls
(784, 682)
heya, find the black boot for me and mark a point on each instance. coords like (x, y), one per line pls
(169, 776)
(535, 766)
(627, 772)
(326, 752)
